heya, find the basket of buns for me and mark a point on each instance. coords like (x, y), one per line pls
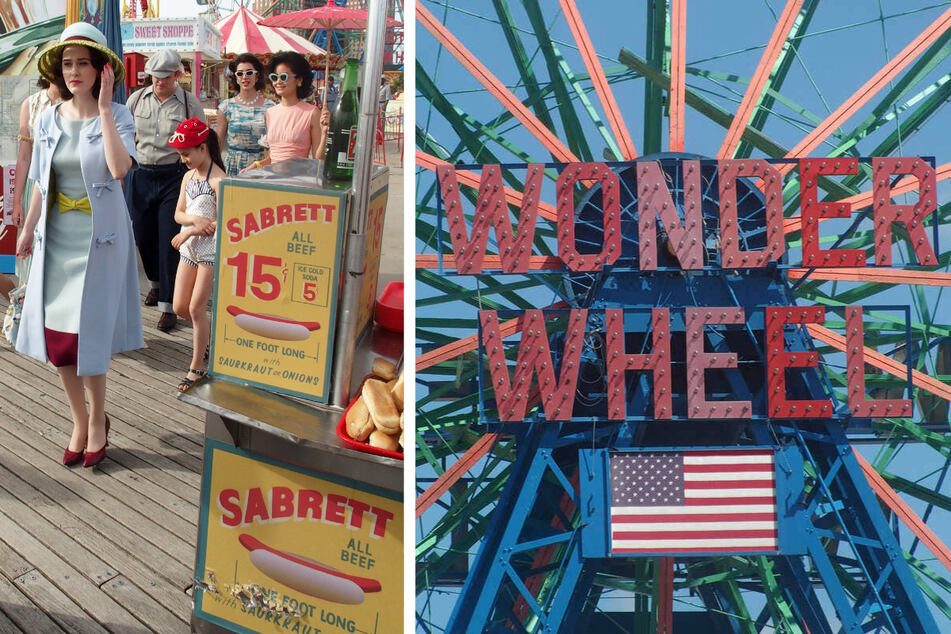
(373, 421)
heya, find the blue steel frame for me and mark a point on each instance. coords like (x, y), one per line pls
(852, 552)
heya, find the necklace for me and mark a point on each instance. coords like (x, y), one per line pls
(238, 98)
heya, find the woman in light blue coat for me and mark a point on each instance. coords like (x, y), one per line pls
(82, 298)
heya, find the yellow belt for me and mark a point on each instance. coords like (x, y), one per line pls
(66, 203)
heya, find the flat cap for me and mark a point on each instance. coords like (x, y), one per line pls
(164, 63)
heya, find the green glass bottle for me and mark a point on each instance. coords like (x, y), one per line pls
(342, 135)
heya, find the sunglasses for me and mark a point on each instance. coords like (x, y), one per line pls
(242, 73)
(274, 77)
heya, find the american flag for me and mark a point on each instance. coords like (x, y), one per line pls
(720, 500)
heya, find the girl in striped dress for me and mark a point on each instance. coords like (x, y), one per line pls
(197, 212)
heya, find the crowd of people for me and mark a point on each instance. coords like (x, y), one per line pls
(81, 218)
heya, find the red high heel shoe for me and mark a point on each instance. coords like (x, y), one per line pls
(95, 457)
(71, 458)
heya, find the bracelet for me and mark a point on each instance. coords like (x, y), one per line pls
(27, 139)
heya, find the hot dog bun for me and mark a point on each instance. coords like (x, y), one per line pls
(383, 369)
(382, 409)
(397, 392)
(383, 441)
(359, 424)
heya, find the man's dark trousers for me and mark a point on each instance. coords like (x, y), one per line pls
(152, 197)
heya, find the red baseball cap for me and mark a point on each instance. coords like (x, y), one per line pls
(190, 133)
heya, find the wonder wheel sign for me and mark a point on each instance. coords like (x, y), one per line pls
(697, 385)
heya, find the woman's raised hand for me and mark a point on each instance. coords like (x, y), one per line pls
(107, 85)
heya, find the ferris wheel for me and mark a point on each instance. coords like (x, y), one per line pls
(140, 9)
(547, 84)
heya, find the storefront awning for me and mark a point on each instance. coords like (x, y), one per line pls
(149, 35)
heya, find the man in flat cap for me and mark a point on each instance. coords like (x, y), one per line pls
(155, 185)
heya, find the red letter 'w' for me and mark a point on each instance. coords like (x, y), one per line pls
(534, 354)
(515, 246)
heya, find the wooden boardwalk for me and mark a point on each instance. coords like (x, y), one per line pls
(113, 548)
(107, 549)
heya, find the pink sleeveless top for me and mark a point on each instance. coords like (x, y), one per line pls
(288, 130)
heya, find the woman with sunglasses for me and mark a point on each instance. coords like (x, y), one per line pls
(241, 118)
(295, 128)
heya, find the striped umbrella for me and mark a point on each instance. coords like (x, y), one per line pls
(328, 17)
(241, 33)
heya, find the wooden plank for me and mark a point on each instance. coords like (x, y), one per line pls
(37, 392)
(127, 467)
(161, 618)
(52, 447)
(136, 563)
(12, 565)
(106, 494)
(23, 614)
(56, 604)
(69, 583)
(6, 625)
(110, 549)
(50, 535)
(73, 513)
(20, 614)
(134, 386)
(183, 421)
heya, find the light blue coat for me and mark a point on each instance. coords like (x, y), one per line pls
(110, 319)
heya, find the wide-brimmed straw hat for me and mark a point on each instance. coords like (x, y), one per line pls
(189, 133)
(84, 34)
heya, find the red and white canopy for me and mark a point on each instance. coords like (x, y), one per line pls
(241, 33)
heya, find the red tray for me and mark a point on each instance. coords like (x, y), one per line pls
(389, 307)
(356, 444)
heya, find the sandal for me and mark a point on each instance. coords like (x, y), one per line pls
(186, 382)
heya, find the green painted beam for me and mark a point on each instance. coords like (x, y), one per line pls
(920, 491)
(803, 112)
(783, 618)
(921, 68)
(471, 132)
(778, 75)
(523, 62)
(656, 38)
(612, 152)
(574, 135)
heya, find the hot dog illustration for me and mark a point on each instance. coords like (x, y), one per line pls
(271, 326)
(305, 575)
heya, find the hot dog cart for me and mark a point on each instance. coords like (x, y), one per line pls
(297, 531)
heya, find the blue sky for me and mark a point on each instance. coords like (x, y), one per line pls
(847, 44)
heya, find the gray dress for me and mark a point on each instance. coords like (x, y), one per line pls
(68, 235)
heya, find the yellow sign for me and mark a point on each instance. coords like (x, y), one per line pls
(275, 306)
(284, 549)
(371, 261)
